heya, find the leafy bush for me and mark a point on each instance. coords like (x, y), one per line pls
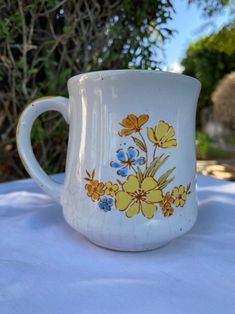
(43, 43)
(209, 59)
(224, 101)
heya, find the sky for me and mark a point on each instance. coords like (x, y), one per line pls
(188, 22)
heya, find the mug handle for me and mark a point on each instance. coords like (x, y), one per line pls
(23, 140)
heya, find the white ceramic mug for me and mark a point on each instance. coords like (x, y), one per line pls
(130, 170)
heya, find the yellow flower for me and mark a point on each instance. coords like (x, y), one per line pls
(163, 135)
(137, 197)
(133, 124)
(111, 189)
(180, 195)
(166, 205)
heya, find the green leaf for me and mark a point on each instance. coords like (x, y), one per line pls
(139, 175)
(120, 182)
(163, 181)
(188, 188)
(155, 165)
(140, 144)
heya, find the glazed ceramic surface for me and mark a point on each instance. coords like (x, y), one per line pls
(130, 169)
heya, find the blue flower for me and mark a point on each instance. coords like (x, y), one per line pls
(127, 160)
(105, 203)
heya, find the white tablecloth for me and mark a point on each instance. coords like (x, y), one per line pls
(48, 268)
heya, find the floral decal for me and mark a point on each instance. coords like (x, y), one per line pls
(138, 196)
(132, 124)
(105, 203)
(143, 190)
(95, 188)
(111, 188)
(127, 160)
(162, 136)
(166, 205)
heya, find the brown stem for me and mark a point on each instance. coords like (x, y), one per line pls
(133, 169)
(53, 9)
(24, 48)
(154, 152)
(146, 164)
(13, 80)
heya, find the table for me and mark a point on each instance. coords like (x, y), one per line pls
(46, 267)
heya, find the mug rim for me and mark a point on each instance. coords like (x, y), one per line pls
(106, 73)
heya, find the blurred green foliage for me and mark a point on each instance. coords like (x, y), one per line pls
(212, 7)
(202, 145)
(209, 59)
(207, 149)
(232, 140)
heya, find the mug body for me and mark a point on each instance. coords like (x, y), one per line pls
(130, 170)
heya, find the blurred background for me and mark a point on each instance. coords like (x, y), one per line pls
(43, 43)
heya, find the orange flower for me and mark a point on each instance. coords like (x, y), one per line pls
(95, 189)
(133, 124)
(166, 205)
